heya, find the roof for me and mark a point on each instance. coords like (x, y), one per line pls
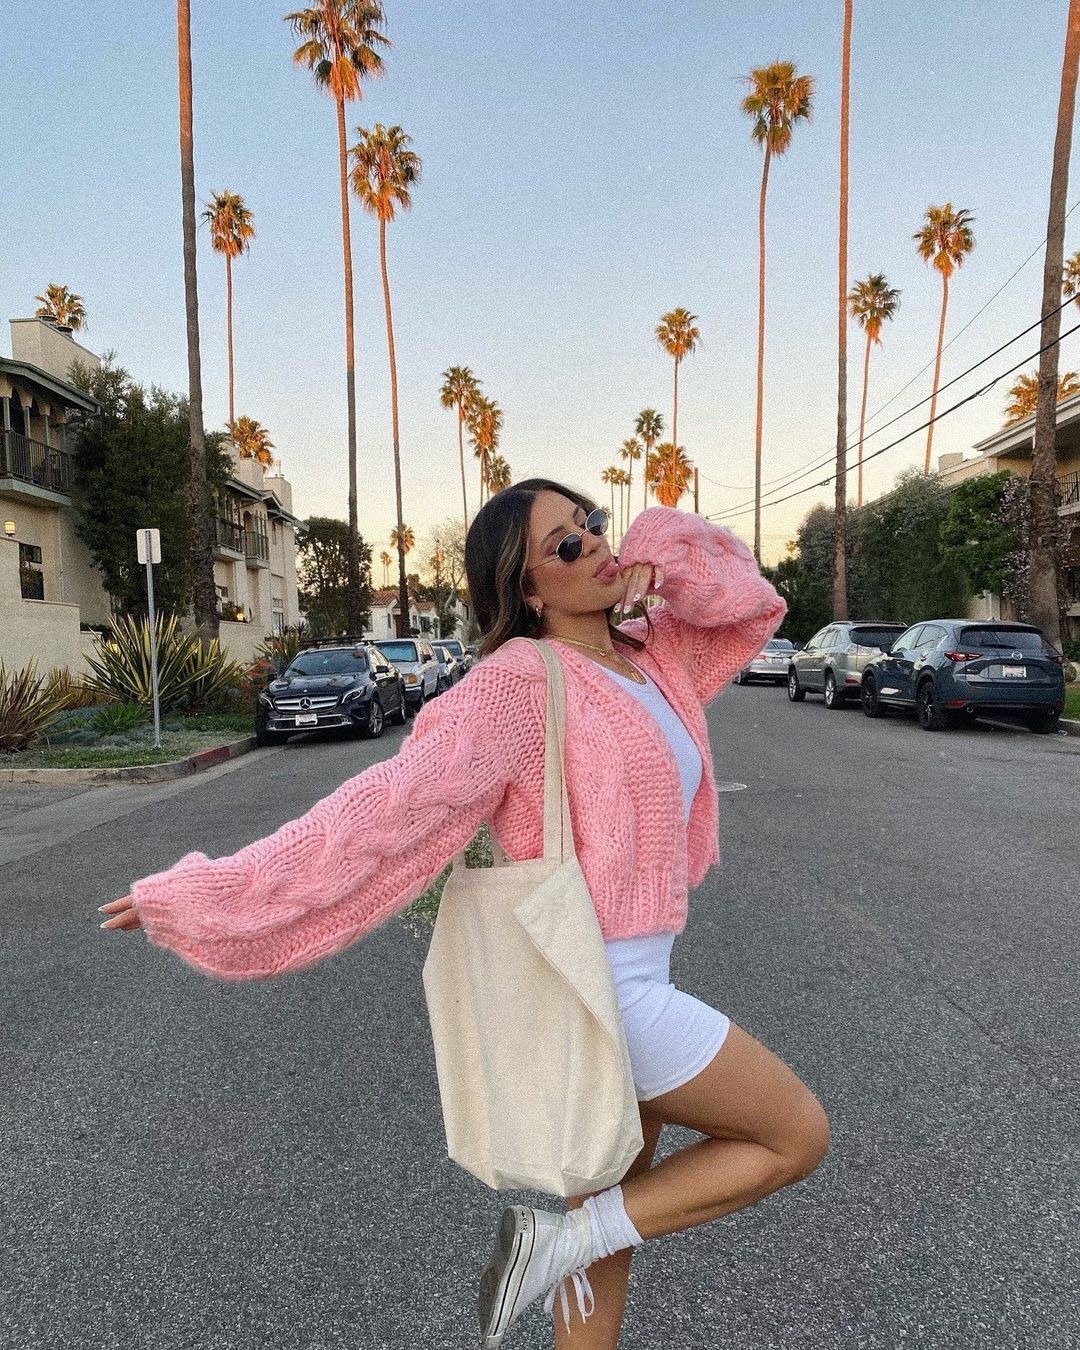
(59, 389)
(1016, 440)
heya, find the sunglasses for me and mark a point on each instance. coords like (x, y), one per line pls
(570, 545)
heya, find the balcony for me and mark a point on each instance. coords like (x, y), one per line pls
(228, 538)
(256, 548)
(45, 472)
(1067, 492)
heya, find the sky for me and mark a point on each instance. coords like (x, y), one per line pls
(585, 169)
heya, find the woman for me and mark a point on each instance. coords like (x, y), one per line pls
(644, 810)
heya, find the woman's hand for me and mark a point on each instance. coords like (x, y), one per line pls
(638, 580)
(124, 913)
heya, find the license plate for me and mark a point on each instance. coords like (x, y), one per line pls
(1013, 672)
(307, 719)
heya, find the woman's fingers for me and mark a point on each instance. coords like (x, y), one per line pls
(637, 581)
(124, 914)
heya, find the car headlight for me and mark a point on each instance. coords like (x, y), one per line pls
(410, 679)
(355, 694)
(266, 700)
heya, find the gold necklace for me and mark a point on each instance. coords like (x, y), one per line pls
(635, 674)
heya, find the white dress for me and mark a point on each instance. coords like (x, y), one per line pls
(671, 1036)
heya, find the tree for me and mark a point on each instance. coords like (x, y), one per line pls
(807, 600)
(498, 474)
(630, 452)
(402, 539)
(839, 579)
(232, 228)
(1024, 394)
(342, 45)
(1070, 277)
(872, 302)
(622, 482)
(62, 306)
(322, 576)
(975, 538)
(485, 420)
(386, 560)
(252, 440)
(778, 99)
(650, 427)
(459, 387)
(131, 469)
(203, 588)
(678, 335)
(944, 241)
(609, 476)
(1045, 576)
(384, 172)
(672, 474)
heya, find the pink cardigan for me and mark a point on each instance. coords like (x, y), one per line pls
(477, 754)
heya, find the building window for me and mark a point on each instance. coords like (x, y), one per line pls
(31, 575)
(278, 607)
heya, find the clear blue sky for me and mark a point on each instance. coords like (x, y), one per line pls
(586, 168)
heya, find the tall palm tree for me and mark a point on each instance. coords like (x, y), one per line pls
(650, 427)
(630, 452)
(342, 46)
(204, 594)
(777, 100)
(678, 334)
(252, 440)
(62, 306)
(386, 560)
(384, 172)
(944, 241)
(623, 483)
(459, 387)
(232, 229)
(403, 540)
(673, 473)
(1024, 394)
(1070, 277)
(839, 567)
(871, 302)
(484, 420)
(498, 474)
(610, 476)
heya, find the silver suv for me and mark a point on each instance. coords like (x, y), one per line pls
(416, 660)
(832, 662)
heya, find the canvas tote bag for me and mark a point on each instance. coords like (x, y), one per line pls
(534, 1073)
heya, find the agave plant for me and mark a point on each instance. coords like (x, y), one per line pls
(188, 673)
(73, 689)
(119, 718)
(28, 705)
(280, 648)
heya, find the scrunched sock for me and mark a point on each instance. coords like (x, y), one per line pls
(612, 1230)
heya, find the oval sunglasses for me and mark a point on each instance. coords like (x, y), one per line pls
(570, 545)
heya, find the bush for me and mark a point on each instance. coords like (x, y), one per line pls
(73, 690)
(28, 705)
(278, 649)
(1071, 649)
(119, 718)
(189, 675)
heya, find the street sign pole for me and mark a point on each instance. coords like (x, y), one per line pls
(149, 549)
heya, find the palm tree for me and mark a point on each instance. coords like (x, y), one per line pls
(778, 99)
(460, 386)
(1024, 394)
(672, 474)
(342, 43)
(623, 484)
(677, 334)
(204, 596)
(1070, 277)
(404, 540)
(252, 440)
(386, 560)
(872, 302)
(62, 306)
(384, 171)
(485, 419)
(231, 230)
(630, 452)
(610, 476)
(944, 241)
(839, 565)
(498, 474)
(650, 427)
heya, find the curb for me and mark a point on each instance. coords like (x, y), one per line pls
(196, 762)
(1070, 726)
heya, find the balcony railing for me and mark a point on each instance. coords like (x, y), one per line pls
(228, 534)
(1068, 489)
(256, 546)
(31, 462)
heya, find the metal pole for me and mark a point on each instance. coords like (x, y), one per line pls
(696, 511)
(153, 643)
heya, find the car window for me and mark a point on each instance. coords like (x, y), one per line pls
(869, 635)
(1002, 639)
(815, 641)
(930, 636)
(328, 663)
(780, 645)
(828, 640)
(906, 641)
(399, 651)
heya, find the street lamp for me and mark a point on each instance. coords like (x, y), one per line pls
(9, 529)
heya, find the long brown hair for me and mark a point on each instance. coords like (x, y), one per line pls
(496, 558)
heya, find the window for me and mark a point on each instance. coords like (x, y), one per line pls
(906, 641)
(930, 636)
(400, 651)
(880, 637)
(815, 641)
(1002, 639)
(31, 575)
(328, 663)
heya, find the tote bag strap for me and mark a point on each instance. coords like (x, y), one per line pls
(558, 833)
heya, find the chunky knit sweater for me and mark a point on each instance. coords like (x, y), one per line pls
(477, 754)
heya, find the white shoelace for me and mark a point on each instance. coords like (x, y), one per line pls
(582, 1290)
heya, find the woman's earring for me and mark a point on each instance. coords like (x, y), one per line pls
(539, 610)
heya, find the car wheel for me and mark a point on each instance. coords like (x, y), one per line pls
(928, 709)
(795, 692)
(376, 720)
(402, 714)
(1043, 723)
(871, 704)
(740, 677)
(833, 697)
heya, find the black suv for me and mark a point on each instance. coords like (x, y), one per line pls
(331, 683)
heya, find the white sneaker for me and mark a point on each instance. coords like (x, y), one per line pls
(534, 1253)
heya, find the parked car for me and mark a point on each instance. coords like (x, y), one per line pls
(331, 685)
(833, 661)
(415, 659)
(450, 671)
(771, 663)
(463, 655)
(951, 671)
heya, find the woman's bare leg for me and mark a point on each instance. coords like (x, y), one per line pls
(608, 1277)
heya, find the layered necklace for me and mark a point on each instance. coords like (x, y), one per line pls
(632, 671)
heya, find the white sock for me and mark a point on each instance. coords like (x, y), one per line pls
(612, 1230)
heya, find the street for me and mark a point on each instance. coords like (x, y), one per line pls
(188, 1163)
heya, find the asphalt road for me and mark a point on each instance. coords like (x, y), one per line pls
(186, 1163)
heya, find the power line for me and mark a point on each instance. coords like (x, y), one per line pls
(968, 398)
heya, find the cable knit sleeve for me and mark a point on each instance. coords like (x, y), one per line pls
(359, 855)
(719, 610)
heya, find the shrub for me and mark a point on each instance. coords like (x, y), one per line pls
(74, 690)
(278, 649)
(188, 674)
(119, 718)
(28, 705)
